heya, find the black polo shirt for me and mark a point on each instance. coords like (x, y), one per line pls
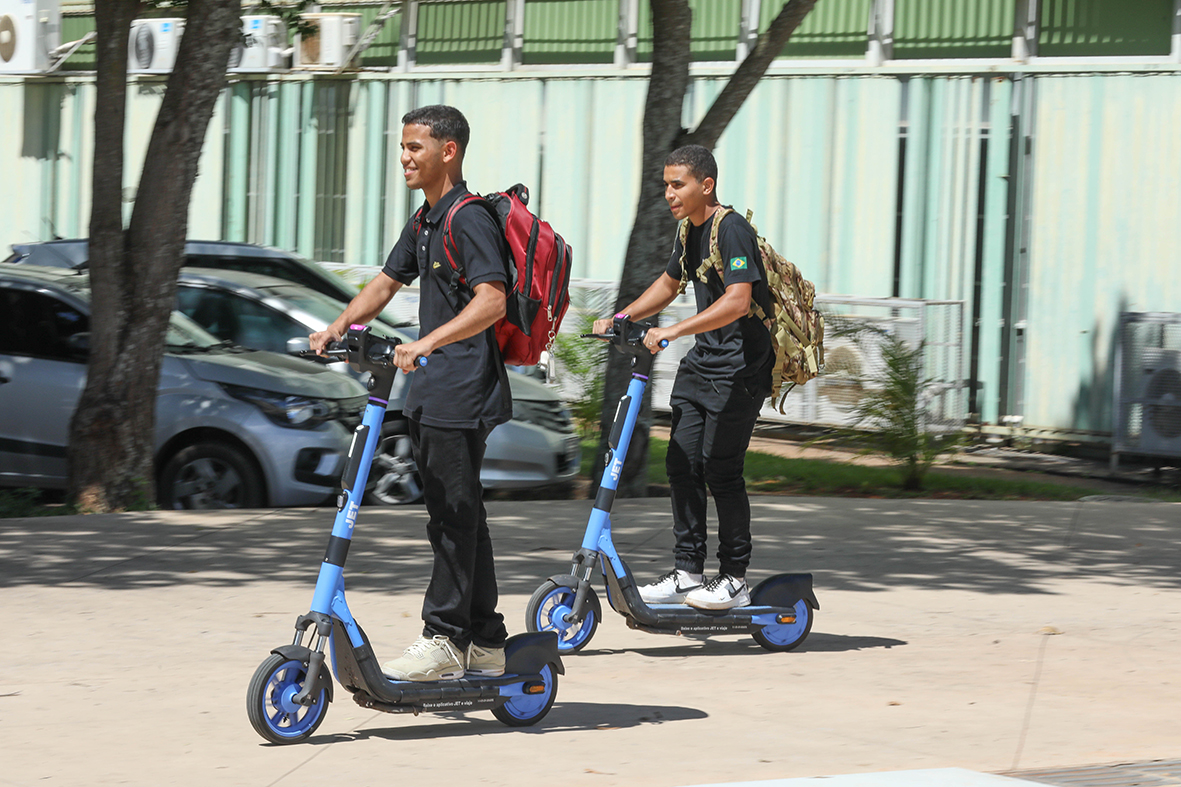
(742, 348)
(463, 385)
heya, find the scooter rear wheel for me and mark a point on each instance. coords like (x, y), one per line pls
(549, 606)
(782, 637)
(524, 710)
(270, 703)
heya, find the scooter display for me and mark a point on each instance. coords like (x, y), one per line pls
(782, 607)
(288, 696)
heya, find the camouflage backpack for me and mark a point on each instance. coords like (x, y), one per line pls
(797, 329)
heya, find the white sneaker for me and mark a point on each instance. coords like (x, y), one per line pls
(429, 658)
(485, 662)
(671, 588)
(721, 592)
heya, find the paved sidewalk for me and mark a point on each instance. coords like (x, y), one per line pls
(986, 638)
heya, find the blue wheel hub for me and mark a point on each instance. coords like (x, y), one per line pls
(284, 715)
(554, 615)
(787, 633)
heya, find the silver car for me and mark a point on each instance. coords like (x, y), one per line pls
(537, 448)
(234, 428)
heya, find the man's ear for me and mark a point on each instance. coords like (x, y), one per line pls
(450, 150)
(707, 186)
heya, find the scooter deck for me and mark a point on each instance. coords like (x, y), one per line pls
(357, 670)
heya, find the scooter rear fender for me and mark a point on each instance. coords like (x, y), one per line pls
(784, 590)
(528, 653)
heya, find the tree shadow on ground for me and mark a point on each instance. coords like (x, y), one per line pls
(862, 545)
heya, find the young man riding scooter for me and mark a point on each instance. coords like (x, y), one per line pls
(452, 407)
(720, 385)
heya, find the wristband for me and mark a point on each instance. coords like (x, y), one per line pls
(621, 316)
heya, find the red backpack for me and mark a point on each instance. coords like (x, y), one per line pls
(539, 293)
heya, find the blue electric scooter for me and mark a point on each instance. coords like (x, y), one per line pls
(289, 694)
(782, 607)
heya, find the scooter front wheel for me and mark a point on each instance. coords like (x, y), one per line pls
(782, 637)
(523, 710)
(271, 706)
(553, 603)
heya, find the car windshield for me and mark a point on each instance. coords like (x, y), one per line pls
(184, 334)
(324, 308)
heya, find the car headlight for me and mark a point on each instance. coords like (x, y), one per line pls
(297, 412)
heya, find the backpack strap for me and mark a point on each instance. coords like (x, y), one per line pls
(715, 254)
(683, 238)
(449, 247)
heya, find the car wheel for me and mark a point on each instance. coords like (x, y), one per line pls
(394, 472)
(211, 475)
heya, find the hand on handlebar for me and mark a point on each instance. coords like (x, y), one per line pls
(318, 341)
(603, 326)
(656, 339)
(409, 357)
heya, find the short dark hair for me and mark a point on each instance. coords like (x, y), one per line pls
(446, 123)
(699, 161)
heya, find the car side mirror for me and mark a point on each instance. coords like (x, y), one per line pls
(298, 344)
(79, 344)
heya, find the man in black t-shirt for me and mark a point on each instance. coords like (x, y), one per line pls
(720, 385)
(455, 402)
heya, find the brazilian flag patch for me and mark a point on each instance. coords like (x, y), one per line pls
(738, 264)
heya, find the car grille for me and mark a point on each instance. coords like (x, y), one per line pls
(554, 416)
(349, 411)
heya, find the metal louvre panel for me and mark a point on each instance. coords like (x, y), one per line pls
(953, 28)
(830, 30)
(570, 31)
(461, 32)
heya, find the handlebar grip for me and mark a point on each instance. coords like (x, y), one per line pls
(663, 343)
(421, 361)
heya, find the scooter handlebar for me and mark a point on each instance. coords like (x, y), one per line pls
(624, 332)
(380, 351)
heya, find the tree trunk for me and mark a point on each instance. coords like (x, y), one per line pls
(133, 273)
(650, 242)
(651, 236)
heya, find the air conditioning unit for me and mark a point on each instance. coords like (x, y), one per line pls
(1160, 427)
(30, 30)
(1147, 386)
(153, 45)
(264, 39)
(330, 45)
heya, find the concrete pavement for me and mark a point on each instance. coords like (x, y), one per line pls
(954, 637)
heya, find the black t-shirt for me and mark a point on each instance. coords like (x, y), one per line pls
(463, 385)
(742, 348)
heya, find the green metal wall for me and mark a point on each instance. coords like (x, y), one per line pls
(875, 185)
(953, 28)
(1105, 234)
(570, 31)
(1084, 28)
(831, 30)
(461, 32)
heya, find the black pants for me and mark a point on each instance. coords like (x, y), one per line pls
(461, 599)
(712, 421)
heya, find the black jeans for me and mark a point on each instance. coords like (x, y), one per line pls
(460, 601)
(712, 421)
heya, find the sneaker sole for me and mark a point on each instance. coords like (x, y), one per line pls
(679, 598)
(740, 601)
(484, 673)
(424, 679)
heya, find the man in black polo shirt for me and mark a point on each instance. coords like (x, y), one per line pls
(720, 385)
(455, 401)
